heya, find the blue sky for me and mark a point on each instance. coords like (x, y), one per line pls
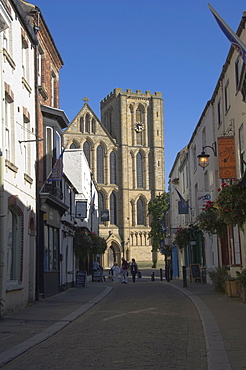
(174, 47)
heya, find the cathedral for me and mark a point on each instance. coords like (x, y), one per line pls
(125, 151)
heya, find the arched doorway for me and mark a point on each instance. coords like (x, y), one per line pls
(114, 254)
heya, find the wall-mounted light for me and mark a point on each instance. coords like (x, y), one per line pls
(203, 157)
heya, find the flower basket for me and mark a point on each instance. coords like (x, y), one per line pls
(231, 204)
(182, 237)
(210, 221)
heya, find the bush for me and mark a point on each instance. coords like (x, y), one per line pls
(218, 277)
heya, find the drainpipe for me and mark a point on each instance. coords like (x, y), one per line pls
(36, 56)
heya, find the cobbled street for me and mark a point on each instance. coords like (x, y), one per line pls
(146, 325)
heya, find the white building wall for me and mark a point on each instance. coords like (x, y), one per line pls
(18, 158)
(78, 171)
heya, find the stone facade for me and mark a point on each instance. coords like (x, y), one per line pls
(125, 151)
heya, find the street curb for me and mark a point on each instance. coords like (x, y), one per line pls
(17, 350)
(217, 357)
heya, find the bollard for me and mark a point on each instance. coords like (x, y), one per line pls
(184, 277)
(161, 274)
(152, 276)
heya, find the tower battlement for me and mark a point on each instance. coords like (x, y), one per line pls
(118, 91)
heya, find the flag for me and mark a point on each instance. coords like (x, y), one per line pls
(92, 205)
(57, 170)
(183, 205)
(232, 37)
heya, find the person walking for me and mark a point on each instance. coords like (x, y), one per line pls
(95, 267)
(134, 269)
(116, 271)
(124, 268)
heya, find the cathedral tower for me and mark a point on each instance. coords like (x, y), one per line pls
(126, 155)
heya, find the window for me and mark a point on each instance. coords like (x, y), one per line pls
(5, 40)
(51, 248)
(194, 157)
(113, 219)
(93, 126)
(100, 205)
(7, 129)
(139, 137)
(219, 113)
(87, 151)
(14, 245)
(238, 70)
(87, 123)
(24, 55)
(227, 100)
(139, 114)
(81, 124)
(40, 65)
(139, 162)
(112, 168)
(241, 149)
(100, 164)
(58, 145)
(235, 246)
(49, 150)
(140, 212)
(53, 90)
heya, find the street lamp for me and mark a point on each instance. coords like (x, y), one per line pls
(203, 157)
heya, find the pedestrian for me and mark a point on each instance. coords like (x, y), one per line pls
(116, 271)
(134, 269)
(95, 267)
(124, 269)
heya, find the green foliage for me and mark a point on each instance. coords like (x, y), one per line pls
(87, 243)
(99, 244)
(157, 209)
(182, 237)
(218, 277)
(241, 277)
(231, 204)
(210, 220)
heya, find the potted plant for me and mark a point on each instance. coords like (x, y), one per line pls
(241, 279)
(209, 219)
(231, 204)
(218, 277)
(182, 237)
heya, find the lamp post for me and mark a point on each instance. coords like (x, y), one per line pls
(203, 157)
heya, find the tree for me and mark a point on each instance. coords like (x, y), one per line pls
(157, 209)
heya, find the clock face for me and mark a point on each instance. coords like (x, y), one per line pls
(139, 127)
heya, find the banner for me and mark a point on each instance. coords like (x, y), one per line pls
(226, 156)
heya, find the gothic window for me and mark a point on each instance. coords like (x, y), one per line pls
(112, 168)
(87, 123)
(93, 126)
(14, 245)
(139, 162)
(100, 205)
(139, 115)
(139, 138)
(140, 212)
(113, 219)
(81, 124)
(87, 151)
(100, 164)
